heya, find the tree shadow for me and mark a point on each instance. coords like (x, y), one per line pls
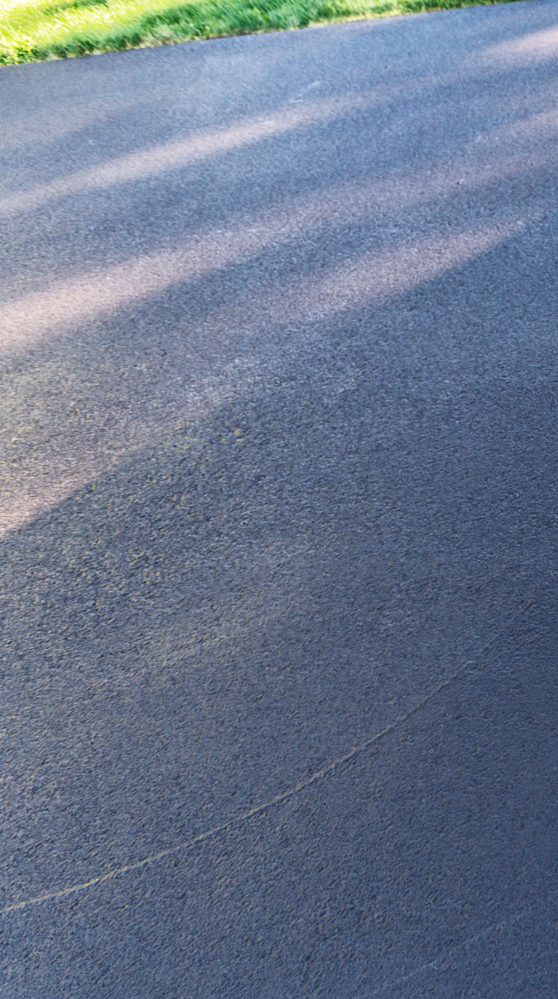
(215, 621)
(298, 530)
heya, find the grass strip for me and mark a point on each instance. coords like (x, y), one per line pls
(42, 29)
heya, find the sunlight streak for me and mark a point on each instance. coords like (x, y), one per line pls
(539, 45)
(107, 437)
(182, 152)
(27, 320)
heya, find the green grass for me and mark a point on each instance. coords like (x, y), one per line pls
(42, 29)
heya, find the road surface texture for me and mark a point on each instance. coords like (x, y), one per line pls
(279, 515)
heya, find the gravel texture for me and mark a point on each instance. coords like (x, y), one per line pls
(278, 518)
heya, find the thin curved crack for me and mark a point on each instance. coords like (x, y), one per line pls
(331, 768)
(448, 959)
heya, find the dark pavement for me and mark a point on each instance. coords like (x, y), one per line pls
(279, 515)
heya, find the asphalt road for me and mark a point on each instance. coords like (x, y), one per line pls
(279, 515)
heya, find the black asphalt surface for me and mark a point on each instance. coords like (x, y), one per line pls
(279, 515)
